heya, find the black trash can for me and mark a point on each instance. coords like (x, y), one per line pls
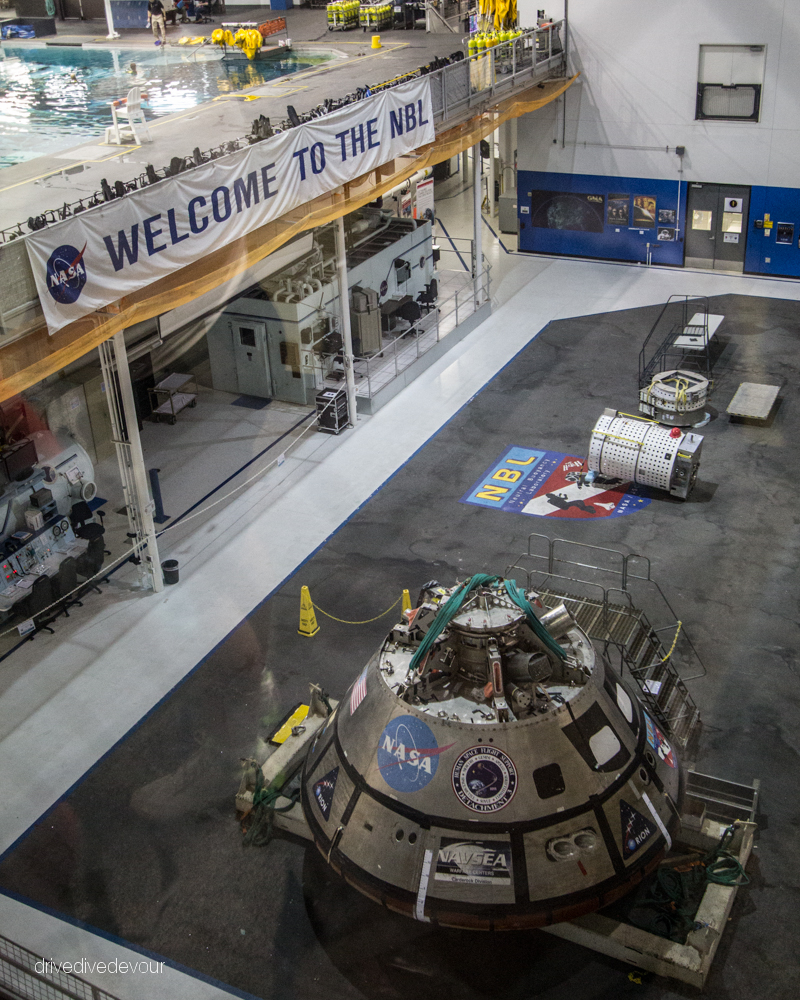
(170, 568)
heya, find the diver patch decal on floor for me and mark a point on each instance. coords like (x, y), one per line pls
(636, 829)
(323, 791)
(550, 484)
(408, 754)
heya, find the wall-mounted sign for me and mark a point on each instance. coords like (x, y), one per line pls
(617, 210)
(734, 238)
(567, 210)
(733, 204)
(784, 232)
(644, 211)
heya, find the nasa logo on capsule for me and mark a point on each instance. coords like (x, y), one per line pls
(408, 754)
(66, 274)
(484, 779)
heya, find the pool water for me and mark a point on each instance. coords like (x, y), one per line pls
(52, 98)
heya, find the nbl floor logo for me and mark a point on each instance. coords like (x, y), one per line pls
(66, 274)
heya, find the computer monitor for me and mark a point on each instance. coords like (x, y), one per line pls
(17, 461)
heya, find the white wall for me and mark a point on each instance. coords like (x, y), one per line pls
(638, 61)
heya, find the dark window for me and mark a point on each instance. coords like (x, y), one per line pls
(247, 337)
(737, 102)
(549, 781)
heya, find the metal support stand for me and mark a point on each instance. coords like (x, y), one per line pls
(155, 488)
(477, 225)
(347, 336)
(125, 429)
(112, 32)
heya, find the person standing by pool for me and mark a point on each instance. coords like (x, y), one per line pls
(155, 18)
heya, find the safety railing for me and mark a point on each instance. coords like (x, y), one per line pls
(25, 975)
(498, 70)
(448, 15)
(376, 372)
(456, 87)
(610, 572)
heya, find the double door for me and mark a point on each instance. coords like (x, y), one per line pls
(716, 226)
(267, 365)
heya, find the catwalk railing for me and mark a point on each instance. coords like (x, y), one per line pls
(376, 372)
(458, 85)
(24, 975)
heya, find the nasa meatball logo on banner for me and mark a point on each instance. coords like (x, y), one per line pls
(484, 779)
(66, 274)
(151, 233)
(552, 484)
(408, 754)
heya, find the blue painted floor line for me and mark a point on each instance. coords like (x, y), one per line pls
(450, 239)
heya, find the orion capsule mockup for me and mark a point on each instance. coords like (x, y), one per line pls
(488, 770)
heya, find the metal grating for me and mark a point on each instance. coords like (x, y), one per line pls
(20, 980)
(626, 627)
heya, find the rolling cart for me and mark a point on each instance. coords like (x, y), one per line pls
(180, 391)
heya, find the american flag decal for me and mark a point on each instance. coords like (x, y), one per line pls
(359, 691)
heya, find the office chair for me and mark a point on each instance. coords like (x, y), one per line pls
(89, 563)
(84, 524)
(63, 586)
(428, 296)
(39, 598)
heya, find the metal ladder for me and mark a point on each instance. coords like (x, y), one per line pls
(617, 623)
(660, 352)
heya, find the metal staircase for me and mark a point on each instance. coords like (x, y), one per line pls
(618, 624)
(679, 338)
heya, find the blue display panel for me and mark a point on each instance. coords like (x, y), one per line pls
(588, 215)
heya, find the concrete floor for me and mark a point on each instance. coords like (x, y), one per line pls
(145, 847)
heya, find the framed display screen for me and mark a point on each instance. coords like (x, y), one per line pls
(565, 210)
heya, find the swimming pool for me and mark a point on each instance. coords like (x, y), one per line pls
(53, 97)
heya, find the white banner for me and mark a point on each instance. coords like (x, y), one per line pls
(95, 258)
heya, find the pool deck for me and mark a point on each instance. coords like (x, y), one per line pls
(46, 182)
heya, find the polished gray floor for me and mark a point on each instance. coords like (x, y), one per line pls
(146, 848)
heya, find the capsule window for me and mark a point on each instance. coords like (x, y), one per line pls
(549, 781)
(604, 745)
(625, 703)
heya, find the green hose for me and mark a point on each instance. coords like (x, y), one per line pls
(453, 605)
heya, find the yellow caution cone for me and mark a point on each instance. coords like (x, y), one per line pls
(376, 42)
(308, 620)
(406, 602)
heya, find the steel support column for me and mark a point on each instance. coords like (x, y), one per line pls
(125, 428)
(347, 336)
(477, 225)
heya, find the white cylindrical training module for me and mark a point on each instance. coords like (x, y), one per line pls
(643, 452)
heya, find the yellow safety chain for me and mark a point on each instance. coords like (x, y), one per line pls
(674, 641)
(365, 622)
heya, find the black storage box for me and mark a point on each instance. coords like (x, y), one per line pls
(332, 410)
